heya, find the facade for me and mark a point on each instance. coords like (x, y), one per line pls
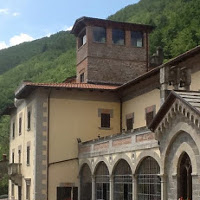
(122, 130)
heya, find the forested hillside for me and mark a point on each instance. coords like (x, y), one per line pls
(52, 59)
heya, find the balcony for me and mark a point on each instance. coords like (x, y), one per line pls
(14, 173)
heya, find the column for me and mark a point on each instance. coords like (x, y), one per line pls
(111, 187)
(163, 187)
(134, 187)
(93, 187)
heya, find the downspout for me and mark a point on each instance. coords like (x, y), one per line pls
(120, 115)
(48, 99)
(147, 51)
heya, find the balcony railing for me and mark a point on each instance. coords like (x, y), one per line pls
(14, 169)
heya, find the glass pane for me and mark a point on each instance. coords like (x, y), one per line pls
(137, 38)
(99, 34)
(118, 36)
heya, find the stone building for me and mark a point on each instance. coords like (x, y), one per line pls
(120, 130)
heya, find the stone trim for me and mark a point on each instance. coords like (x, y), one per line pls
(105, 111)
(184, 147)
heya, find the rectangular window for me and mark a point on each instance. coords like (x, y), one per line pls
(64, 193)
(99, 34)
(28, 155)
(105, 120)
(20, 126)
(82, 78)
(150, 113)
(28, 188)
(136, 38)
(19, 154)
(129, 124)
(118, 36)
(13, 190)
(29, 120)
(82, 39)
(13, 157)
(13, 130)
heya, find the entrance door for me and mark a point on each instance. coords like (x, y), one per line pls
(185, 178)
(19, 193)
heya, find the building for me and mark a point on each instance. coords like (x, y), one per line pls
(121, 130)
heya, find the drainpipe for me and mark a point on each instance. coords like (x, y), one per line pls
(48, 99)
(120, 115)
(147, 51)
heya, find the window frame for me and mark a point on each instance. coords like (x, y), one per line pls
(132, 42)
(114, 35)
(150, 110)
(28, 149)
(20, 125)
(105, 120)
(29, 120)
(82, 77)
(93, 36)
(13, 130)
(82, 38)
(129, 117)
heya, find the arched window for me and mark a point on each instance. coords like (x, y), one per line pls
(102, 182)
(148, 180)
(122, 181)
(85, 183)
(185, 177)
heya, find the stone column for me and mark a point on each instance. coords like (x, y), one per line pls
(111, 187)
(93, 187)
(164, 79)
(163, 187)
(134, 187)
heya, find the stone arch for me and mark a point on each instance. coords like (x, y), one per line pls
(184, 147)
(145, 154)
(101, 159)
(176, 130)
(85, 162)
(121, 157)
(181, 127)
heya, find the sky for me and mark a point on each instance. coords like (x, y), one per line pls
(27, 20)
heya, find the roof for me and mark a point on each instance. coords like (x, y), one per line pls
(182, 57)
(189, 98)
(85, 21)
(27, 87)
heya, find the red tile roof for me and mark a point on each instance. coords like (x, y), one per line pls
(73, 85)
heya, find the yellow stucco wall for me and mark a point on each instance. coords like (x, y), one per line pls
(74, 115)
(26, 137)
(195, 84)
(137, 106)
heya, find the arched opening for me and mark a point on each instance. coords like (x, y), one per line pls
(148, 180)
(122, 181)
(85, 183)
(185, 177)
(102, 183)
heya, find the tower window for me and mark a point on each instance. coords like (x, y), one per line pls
(99, 34)
(118, 36)
(13, 130)
(29, 120)
(28, 155)
(82, 78)
(20, 126)
(137, 39)
(82, 38)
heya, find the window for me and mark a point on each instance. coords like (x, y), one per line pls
(28, 156)
(13, 190)
(118, 36)
(19, 155)
(102, 183)
(64, 193)
(105, 120)
(99, 34)
(122, 181)
(137, 39)
(28, 187)
(13, 157)
(82, 38)
(150, 113)
(85, 183)
(148, 180)
(20, 126)
(29, 120)
(82, 78)
(13, 130)
(129, 121)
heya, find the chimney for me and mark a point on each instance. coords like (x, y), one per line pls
(157, 58)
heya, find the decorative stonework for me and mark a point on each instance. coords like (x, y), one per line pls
(145, 137)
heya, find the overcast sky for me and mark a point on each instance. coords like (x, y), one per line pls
(26, 20)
